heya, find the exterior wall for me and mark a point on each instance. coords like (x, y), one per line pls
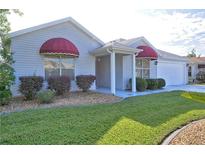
(103, 71)
(153, 69)
(119, 71)
(28, 61)
(174, 72)
(127, 71)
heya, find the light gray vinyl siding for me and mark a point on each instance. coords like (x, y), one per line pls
(127, 71)
(103, 71)
(153, 69)
(28, 61)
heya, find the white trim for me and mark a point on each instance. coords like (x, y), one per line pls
(144, 68)
(68, 19)
(60, 67)
(133, 73)
(119, 48)
(112, 72)
(144, 39)
(161, 53)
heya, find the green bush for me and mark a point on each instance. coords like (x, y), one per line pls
(45, 96)
(161, 83)
(5, 96)
(60, 84)
(84, 82)
(6, 80)
(141, 84)
(30, 85)
(152, 84)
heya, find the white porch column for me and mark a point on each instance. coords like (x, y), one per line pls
(112, 72)
(133, 73)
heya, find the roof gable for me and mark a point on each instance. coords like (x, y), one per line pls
(56, 22)
(162, 54)
(132, 41)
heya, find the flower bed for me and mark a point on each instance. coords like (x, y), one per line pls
(72, 98)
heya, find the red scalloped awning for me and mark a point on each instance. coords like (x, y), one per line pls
(147, 52)
(59, 46)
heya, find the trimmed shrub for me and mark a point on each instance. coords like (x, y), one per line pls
(201, 76)
(30, 85)
(161, 83)
(141, 84)
(45, 96)
(60, 84)
(152, 84)
(84, 82)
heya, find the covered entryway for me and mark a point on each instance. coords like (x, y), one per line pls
(109, 66)
(103, 72)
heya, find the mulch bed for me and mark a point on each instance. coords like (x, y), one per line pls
(72, 98)
(193, 134)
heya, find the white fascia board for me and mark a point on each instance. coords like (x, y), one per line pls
(145, 40)
(34, 28)
(173, 59)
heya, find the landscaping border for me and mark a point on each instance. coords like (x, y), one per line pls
(173, 134)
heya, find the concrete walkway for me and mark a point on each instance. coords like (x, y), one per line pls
(125, 94)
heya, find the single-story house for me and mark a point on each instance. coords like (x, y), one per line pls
(196, 64)
(64, 47)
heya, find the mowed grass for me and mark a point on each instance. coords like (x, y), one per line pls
(136, 120)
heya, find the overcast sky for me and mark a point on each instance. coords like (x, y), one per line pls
(176, 31)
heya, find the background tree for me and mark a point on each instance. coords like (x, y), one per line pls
(6, 71)
(193, 53)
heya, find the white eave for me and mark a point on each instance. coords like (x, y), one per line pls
(115, 46)
(68, 19)
(171, 56)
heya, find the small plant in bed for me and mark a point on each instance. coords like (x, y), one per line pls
(46, 96)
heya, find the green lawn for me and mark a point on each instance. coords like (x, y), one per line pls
(137, 120)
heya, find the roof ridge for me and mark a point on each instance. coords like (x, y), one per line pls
(55, 22)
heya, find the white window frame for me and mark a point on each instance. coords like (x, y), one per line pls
(142, 67)
(60, 67)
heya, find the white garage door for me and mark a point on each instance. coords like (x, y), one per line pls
(173, 73)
